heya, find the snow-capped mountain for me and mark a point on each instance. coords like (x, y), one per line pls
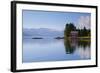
(43, 33)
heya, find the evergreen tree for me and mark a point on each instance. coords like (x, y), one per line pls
(69, 27)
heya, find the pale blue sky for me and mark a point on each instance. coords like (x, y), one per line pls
(52, 20)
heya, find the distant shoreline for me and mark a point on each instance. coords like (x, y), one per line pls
(81, 38)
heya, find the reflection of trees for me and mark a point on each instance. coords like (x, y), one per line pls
(72, 44)
(84, 43)
(68, 46)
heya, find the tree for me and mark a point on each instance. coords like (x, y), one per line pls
(84, 31)
(68, 28)
(81, 32)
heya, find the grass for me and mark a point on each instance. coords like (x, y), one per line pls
(83, 38)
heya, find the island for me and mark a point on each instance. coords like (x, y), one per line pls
(37, 38)
(59, 38)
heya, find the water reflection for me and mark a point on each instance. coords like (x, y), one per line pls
(38, 50)
(73, 45)
(69, 47)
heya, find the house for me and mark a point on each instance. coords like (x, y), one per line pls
(74, 34)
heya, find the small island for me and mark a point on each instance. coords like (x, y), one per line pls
(59, 38)
(37, 38)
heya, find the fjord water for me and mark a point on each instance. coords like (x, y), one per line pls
(40, 50)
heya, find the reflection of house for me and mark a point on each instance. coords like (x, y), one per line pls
(74, 34)
(73, 42)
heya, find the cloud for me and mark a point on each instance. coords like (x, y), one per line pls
(84, 21)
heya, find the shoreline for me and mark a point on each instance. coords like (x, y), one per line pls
(81, 38)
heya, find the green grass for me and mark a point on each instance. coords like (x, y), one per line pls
(84, 37)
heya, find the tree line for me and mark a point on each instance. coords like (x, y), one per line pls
(81, 32)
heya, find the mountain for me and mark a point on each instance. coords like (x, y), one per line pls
(42, 32)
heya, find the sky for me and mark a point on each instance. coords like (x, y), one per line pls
(54, 20)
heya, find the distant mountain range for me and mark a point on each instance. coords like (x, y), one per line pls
(42, 33)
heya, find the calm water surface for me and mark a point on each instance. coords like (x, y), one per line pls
(37, 50)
